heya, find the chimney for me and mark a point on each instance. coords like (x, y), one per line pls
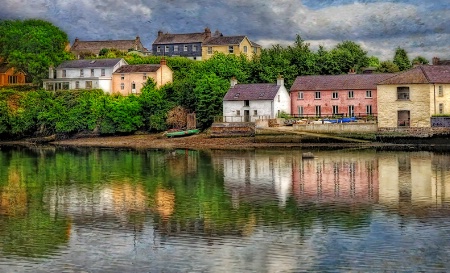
(163, 62)
(233, 82)
(137, 41)
(352, 71)
(160, 33)
(50, 73)
(280, 80)
(76, 40)
(217, 33)
(207, 33)
(436, 61)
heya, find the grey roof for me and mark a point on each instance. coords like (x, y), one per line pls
(253, 91)
(339, 82)
(422, 74)
(138, 68)
(86, 63)
(183, 38)
(225, 40)
(96, 46)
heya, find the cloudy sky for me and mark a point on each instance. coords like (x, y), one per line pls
(379, 26)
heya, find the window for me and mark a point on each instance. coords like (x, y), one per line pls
(77, 85)
(441, 108)
(369, 109)
(65, 86)
(441, 91)
(255, 50)
(255, 112)
(318, 110)
(81, 73)
(402, 93)
(210, 50)
(185, 48)
(166, 48)
(230, 49)
(299, 95)
(350, 94)
(144, 77)
(64, 73)
(158, 49)
(103, 73)
(300, 110)
(175, 48)
(368, 93)
(12, 79)
(194, 48)
(335, 95)
(245, 49)
(351, 111)
(122, 86)
(88, 84)
(317, 95)
(335, 109)
(246, 103)
(122, 77)
(238, 112)
(92, 72)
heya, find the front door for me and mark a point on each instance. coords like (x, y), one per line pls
(246, 115)
(403, 118)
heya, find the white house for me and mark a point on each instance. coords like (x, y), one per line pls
(250, 102)
(83, 74)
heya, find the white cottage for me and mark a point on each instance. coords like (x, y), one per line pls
(83, 74)
(250, 102)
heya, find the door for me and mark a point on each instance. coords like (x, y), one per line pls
(403, 117)
(246, 115)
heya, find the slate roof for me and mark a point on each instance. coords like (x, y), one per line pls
(183, 38)
(138, 68)
(254, 91)
(96, 46)
(86, 63)
(224, 40)
(339, 82)
(423, 74)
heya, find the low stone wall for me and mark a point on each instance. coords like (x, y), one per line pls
(232, 129)
(414, 131)
(332, 128)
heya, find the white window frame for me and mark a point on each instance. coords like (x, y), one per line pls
(175, 48)
(335, 109)
(185, 48)
(335, 95)
(351, 94)
(299, 95)
(231, 49)
(368, 93)
(369, 109)
(210, 50)
(317, 95)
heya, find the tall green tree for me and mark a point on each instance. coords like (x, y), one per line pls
(401, 59)
(419, 60)
(388, 67)
(32, 46)
(349, 55)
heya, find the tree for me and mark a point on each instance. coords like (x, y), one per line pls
(349, 55)
(419, 60)
(32, 46)
(401, 59)
(388, 67)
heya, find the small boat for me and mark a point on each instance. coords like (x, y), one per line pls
(182, 133)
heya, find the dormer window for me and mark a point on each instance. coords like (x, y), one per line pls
(237, 95)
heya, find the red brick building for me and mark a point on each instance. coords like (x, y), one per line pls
(348, 95)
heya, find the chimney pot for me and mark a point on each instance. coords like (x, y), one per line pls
(233, 81)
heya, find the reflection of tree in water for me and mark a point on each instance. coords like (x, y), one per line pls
(28, 231)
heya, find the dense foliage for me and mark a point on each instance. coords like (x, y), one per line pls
(32, 46)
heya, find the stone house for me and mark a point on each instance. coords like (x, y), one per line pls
(94, 47)
(347, 95)
(250, 102)
(9, 75)
(409, 99)
(83, 74)
(230, 45)
(129, 79)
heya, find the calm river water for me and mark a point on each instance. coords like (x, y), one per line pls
(102, 210)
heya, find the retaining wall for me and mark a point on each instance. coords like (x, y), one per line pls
(337, 128)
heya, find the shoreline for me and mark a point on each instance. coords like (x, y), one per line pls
(203, 142)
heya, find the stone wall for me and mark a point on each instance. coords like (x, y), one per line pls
(232, 129)
(337, 128)
(414, 132)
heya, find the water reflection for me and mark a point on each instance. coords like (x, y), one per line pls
(263, 210)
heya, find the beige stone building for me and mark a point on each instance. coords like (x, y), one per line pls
(129, 79)
(411, 98)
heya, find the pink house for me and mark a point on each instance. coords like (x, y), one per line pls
(347, 95)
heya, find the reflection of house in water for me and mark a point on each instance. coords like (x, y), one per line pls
(260, 176)
(421, 179)
(336, 177)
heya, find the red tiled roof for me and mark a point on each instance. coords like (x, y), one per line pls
(136, 68)
(339, 82)
(254, 91)
(423, 74)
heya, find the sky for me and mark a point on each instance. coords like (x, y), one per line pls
(421, 27)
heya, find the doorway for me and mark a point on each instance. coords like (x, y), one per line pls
(403, 118)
